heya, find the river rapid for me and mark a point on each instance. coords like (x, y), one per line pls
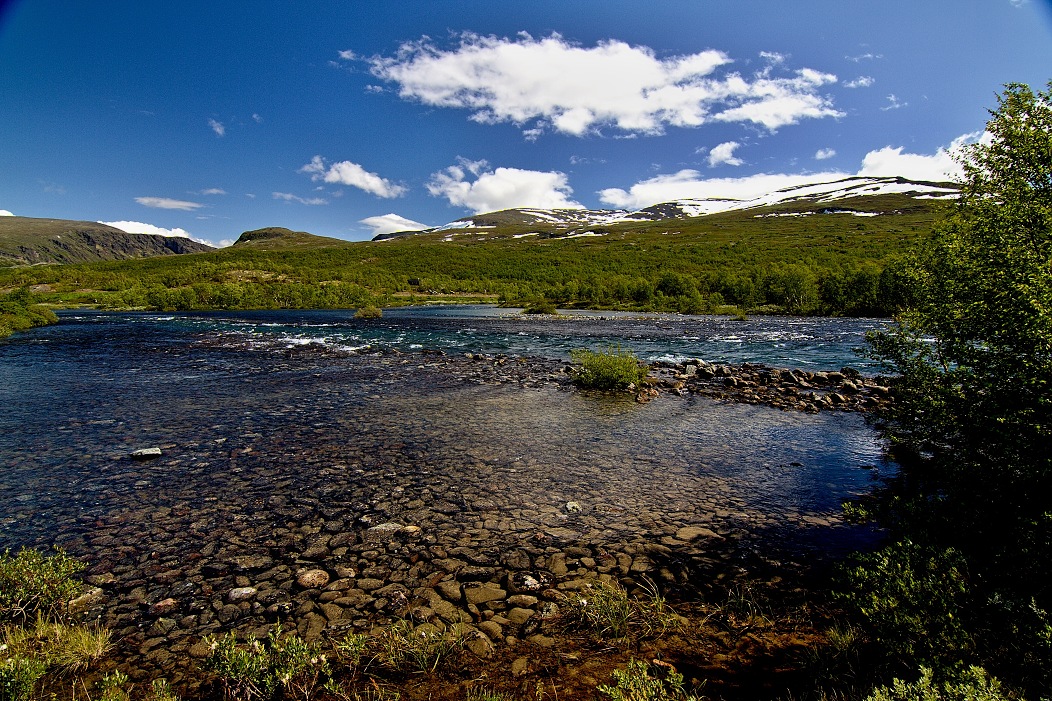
(288, 438)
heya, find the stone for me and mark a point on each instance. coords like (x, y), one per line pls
(483, 593)
(145, 454)
(518, 615)
(163, 607)
(689, 533)
(573, 507)
(523, 600)
(520, 666)
(240, 594)
(312, 579)
(383, 530)
(492, 629)
(480, 645)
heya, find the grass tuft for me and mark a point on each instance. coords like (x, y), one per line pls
(610, 369)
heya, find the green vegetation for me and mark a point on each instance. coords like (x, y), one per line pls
(19, 311)
(369, 312)
(816, 264)
(973, 684)
(967, 579)
(34, 585)
(634, 683)
(608, 611)
(610, 369)
(282, 667)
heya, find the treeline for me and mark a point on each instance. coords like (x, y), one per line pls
(825, 266)
(19, 312)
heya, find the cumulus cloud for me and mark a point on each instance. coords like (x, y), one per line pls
(390, 223)
(353, 175)
(289, 197)
(217, 127)
(6, 213)
(138, 227)
(724, 155)
(863, 81)
(690, 184)
(168, 203)
(470, 184)
(824, 154)
(553, 84)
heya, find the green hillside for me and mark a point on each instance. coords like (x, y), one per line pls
(31, 241)
(799, 259)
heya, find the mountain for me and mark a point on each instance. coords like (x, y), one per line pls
(860, 196)
(30, 241)
(276, 237)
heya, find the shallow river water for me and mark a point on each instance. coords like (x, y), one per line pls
(240, 419)
(309, 444)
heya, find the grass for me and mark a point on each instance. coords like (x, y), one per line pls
(610, 369)
(369, 312)
(608, 611)
(402, 646)
(635, 683)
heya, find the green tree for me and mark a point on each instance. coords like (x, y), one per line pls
(972, 419)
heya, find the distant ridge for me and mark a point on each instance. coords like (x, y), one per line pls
(33, 241)
(274, 237)
(577, 222)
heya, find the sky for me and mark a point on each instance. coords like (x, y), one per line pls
(349, 118)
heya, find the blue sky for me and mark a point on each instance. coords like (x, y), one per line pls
(350, 117)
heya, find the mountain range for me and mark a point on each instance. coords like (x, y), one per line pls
(861, 196)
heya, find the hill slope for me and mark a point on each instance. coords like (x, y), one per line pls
(29, 241)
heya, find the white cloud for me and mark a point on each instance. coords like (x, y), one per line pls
(773, 57)
(257, 118)
(353, 175)
(138, 227)
(289, 197)
(348, 55)
(551, 83)
(5, 213)
(168, 203)
(214, 191)
(894, 104)
(884, 162)
(501, 188)
(390, 223)
(824, 154)
(217, 127)
(724, 155)
(863, 81)
(864, 57)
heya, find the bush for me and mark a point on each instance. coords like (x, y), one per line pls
(973, 684)
(543, 306)
(612, 369)
(33, 584)
(287, 667)
(18, 677)
(634, 683)
(911, 601)
(369, 312)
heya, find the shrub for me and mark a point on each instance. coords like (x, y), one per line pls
(32, 584)
(973, 684)
(18, 677)
(910, 600)
(287, 667)
(634, 683)
(369, 312)
(612, 369)
(542, 306)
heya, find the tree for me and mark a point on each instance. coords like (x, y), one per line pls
(973, 413)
